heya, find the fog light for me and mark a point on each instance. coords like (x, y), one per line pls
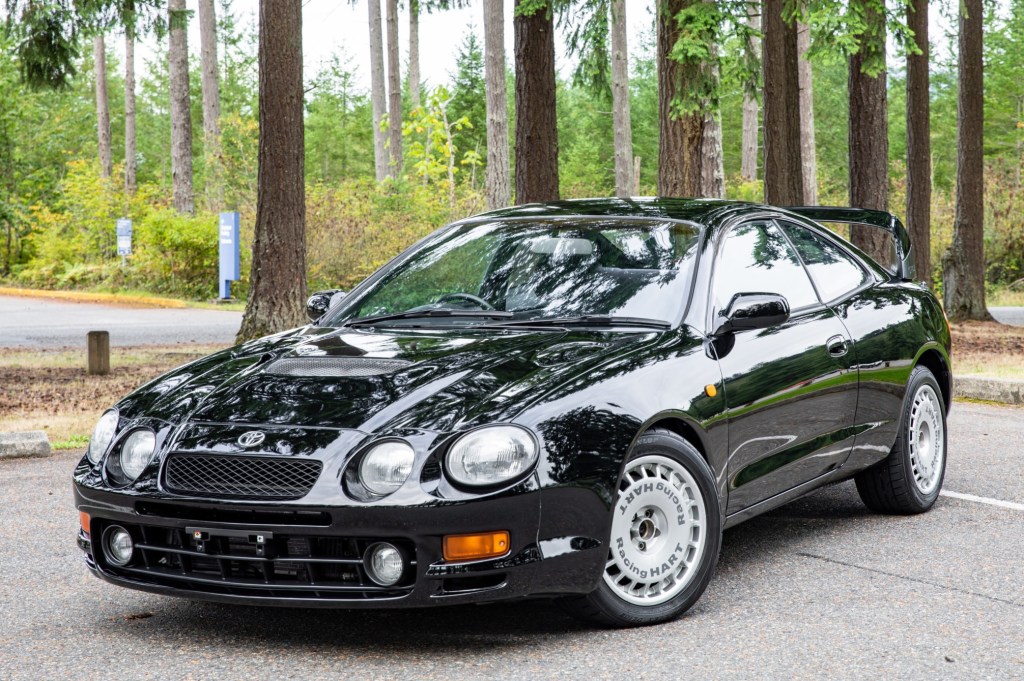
(118, 545)
(384, 564)
(460, 547)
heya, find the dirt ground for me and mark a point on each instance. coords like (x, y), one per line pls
(51, 391)
(988, 348)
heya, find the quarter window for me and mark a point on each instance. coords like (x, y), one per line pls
(834, 271)
(757, 258)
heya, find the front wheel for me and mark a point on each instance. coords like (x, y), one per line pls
(909, 479)
(665, 537)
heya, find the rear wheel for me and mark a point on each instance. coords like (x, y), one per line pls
(909, 479)
(665, 537)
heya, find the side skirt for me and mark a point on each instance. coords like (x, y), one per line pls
(785, 497)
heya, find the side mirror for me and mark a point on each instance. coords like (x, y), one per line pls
(320, 302)
(754, 311)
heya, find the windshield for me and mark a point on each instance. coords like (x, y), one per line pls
(538, 269)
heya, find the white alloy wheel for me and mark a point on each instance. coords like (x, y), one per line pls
(659, 531)
(927, 442)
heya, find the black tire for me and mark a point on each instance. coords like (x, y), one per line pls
(604, 605)
(894, 485)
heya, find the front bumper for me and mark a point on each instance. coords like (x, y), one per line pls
(311, 556)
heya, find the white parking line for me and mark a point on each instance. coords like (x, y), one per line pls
(1012, 505)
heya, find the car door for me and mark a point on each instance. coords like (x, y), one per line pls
(790, 389)
(878, 317)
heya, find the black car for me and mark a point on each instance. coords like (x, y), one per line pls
(572, 399)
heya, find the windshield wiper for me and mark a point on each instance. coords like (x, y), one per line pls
(418, 314)
(585, 320)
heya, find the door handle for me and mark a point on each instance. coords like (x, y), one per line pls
(837, 346)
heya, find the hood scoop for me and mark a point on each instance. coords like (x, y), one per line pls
(335, 367)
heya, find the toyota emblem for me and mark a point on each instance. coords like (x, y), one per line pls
(251, 438)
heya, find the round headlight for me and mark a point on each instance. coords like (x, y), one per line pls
(386, 467)
(137, 452)
(490, 456)
(102, 434)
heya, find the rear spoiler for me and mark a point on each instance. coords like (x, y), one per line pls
(869, 218)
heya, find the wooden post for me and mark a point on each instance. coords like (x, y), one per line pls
(99, 353)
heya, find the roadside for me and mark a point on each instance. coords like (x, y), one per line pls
(988, 349)
(50, 390)
(122, 299)
(44, 385)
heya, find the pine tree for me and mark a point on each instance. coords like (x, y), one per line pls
(468, 96)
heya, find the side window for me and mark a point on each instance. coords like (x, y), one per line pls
(757, 258)
(834, 271)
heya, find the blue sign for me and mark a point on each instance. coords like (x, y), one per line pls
(230, 253)
(124, 236)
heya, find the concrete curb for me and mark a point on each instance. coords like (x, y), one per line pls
(991, 389)
(32, 443)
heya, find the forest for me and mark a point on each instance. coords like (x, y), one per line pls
(878, 113)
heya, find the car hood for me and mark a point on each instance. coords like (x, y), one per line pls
(377, 380)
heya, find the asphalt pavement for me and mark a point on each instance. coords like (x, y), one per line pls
(51, 324)
(820, 588)
(1014, 316)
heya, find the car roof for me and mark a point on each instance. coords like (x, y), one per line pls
(700, 211)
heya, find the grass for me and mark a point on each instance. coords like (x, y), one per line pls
(50, 390)
(1004, 297)
(123, 299)
(72, 442)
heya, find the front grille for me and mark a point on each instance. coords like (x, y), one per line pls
(242, 477)
(280, 566)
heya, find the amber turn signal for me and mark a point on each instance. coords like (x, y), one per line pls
(83, 520)
(459, 547)
(710, 390)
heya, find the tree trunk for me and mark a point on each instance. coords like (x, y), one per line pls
(277, 280)
(963, 265)
(181, 116)
(712, 174)
(919, 172)
(751, 123)
(681, 137)
(621, 124)
(130, 160)
(414, 52)
(868, 139)
(536, 124)
(808, 153)
(102, 106)
(378, 96)
(497, 183)
(211, 105)
(394, 93)
(783, 176)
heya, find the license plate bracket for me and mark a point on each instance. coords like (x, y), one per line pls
(201, 535)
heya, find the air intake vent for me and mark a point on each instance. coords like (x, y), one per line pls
(335, 367)
(240, 476)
